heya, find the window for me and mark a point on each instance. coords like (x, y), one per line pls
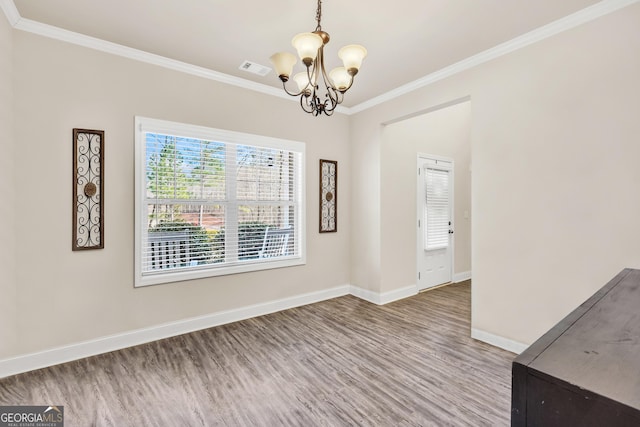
(211, 202)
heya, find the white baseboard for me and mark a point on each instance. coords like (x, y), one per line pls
(461, 277)
(498, 341)
(55, 356)
(383, 298)
(58, 355)
(398, 294)
(365, 294)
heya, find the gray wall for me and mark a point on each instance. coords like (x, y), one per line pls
(7, 195)
(554, 147)
(78, 296)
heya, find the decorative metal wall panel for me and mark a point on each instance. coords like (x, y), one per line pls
(88, 189)
(328, 196)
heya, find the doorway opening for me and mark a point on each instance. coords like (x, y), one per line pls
(440, 133)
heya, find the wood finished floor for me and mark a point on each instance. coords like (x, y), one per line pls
(340, 362)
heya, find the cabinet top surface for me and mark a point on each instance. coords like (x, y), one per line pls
(600, 350)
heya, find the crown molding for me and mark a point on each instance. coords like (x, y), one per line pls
(563, 24)
(140, 55)
(61, 34)
(10, 11)
(583, 16)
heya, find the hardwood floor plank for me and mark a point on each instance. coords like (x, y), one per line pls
(339, 362)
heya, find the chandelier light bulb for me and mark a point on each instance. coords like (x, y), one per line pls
(283, 62)
(340, 78)
(302, 80)
(352, 56)
(307, 45)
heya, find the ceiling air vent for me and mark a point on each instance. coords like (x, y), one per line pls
(254, 68)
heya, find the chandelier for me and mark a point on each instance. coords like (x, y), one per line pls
(310, 47)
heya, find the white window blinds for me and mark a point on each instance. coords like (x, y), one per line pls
(210, 205)
(437, 215)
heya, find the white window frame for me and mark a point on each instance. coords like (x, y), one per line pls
(144, 125)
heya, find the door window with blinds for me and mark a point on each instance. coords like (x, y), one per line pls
(211, 202)
(437, 212)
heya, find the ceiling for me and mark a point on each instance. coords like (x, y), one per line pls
(406, 39)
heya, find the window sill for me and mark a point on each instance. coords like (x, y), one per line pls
(149, 279)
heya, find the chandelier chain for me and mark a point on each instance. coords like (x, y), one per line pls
(319, 16)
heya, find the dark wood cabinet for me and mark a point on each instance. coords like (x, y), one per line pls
(586, 370)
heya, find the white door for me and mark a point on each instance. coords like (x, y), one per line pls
(435, 221)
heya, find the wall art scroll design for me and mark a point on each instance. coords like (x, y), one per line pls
(88, 189)
(328, 196)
